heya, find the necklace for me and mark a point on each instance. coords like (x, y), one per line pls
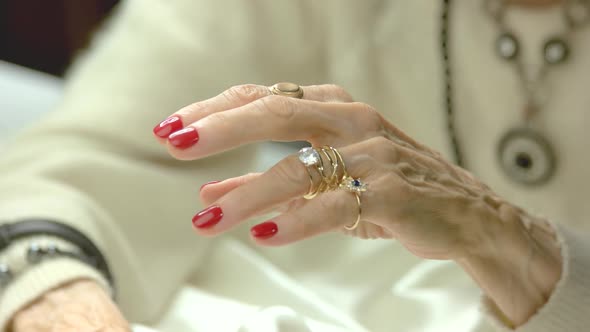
(524, 154)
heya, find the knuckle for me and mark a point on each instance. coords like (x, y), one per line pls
(339, 92)
(280, 106)
(247, 178)
(405, 191)
(384, 149)
(381, 142)
(406, 169)
(222, 122)
(391, 180)
(364, 107)
(244, 93)
(219, 118)
(291, 172)
(194, 108)
(368, 117)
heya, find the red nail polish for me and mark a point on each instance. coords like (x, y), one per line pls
(264, 230)
(208, 217)
(184, 138)
(168, 126)
(208, 183)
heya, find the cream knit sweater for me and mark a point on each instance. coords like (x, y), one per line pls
(95, 165)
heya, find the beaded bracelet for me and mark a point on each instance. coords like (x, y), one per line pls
(37, 253)
(86, 252)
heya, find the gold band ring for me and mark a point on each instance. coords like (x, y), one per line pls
(311, 193)
(287, 89)
(356, 187)
(313, 190)
(358, 218)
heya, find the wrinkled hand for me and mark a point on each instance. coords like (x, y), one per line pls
(434, 208)
(414, 194)
(82, 305)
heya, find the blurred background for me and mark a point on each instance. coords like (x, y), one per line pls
(38, 41)
(46, 35)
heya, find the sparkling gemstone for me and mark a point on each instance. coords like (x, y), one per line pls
(309, 156)
(354, 185)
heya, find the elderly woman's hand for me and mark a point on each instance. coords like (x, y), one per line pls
(434, 208)
(81, 305)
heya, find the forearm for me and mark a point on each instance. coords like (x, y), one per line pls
(517, 264)
(78, 305)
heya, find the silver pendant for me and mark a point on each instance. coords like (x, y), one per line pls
(555, 51)
(507, 46)
(526, 156)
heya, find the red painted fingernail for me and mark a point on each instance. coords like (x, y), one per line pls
(168, 126)
(264, 230)
(208, 183)
(208, 217)
(184, 138)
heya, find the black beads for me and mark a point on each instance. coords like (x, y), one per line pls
(526, 156)
(36, 253)
(448, 86)
(555, 51)
(507, 46)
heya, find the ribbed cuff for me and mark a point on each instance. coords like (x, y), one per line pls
(568, 306)
(40, 278)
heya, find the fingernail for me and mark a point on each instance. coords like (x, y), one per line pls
(168, 126)
(208, 217)
(264, 230)
(208, 183)
(184, 138)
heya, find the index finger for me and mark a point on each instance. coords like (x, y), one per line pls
(237, 96)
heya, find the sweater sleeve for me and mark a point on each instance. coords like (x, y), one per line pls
(568, 306)
(94, 164)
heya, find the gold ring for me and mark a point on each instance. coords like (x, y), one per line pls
(327, 179)
(340, 164)
(332, 180)
(355, 186)
(337, 179)
(358, 218)
(312, 160)
(287, 89)
(311, 193)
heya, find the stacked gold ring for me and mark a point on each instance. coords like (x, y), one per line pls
(331, 173)
(331, 178)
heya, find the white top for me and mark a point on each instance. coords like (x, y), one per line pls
(94, 163)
